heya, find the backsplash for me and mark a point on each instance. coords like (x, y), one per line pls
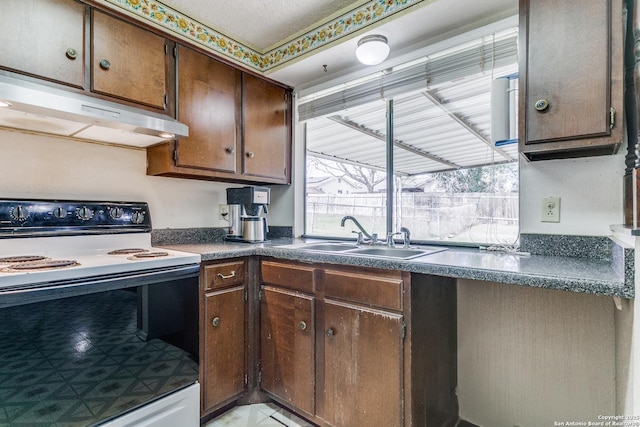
(177, 236)
(599, 248)
(594, 247)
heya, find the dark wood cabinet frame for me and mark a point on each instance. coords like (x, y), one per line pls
(425, 305)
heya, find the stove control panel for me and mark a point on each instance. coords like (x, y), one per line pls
(69, 217)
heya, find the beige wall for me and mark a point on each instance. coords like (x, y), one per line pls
(590, 190)
(529, 357)
(47, 167)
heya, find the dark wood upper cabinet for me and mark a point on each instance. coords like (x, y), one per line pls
(239, 126)
(571, 78)
(208, 102)
(67, 42)
(266, 128)
(35, 43)
(128, 62)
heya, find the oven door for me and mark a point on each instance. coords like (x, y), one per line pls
(73, 355)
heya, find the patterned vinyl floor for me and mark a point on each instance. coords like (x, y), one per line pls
(258, 415)
(77, 361)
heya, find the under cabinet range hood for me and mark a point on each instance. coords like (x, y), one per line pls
(38, 108)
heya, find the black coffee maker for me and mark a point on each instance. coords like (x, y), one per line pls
(247, 207)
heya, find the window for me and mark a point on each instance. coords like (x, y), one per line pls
(411, 147)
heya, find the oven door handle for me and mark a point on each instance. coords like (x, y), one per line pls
(27, 294)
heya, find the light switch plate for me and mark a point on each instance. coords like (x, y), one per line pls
(551, 209)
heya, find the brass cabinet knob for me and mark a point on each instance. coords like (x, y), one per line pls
(303, 325)
(250, 154)
(105, 64)
(541, 105)
(230, 150)
(215, 322)
(71, 53)
(330, 333)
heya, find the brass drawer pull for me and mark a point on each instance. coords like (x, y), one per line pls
(222, 276)
(215, 322)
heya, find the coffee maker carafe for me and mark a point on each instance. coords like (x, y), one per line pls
(246, 208)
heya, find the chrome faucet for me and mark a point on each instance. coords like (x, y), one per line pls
(373, 238)
(406, 239)
(359, 233)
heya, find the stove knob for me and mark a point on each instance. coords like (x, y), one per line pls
(116, 213)
(19, 213)
(84, 213)
(137, 217)
(60, 212)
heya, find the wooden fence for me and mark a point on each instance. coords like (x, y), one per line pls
(429, 216)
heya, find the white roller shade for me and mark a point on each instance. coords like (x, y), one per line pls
(482, 55)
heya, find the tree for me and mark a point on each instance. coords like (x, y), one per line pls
(366, 176)
(502, 178)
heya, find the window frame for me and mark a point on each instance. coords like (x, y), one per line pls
(389, 170)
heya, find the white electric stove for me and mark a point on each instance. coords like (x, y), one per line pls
(65, 267)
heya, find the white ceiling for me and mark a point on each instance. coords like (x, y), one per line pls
(261, 24)
(266, 24)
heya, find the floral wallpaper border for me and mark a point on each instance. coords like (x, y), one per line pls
(369, 13)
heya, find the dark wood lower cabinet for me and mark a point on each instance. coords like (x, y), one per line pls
(341, 346)
(224, 336)
(385, 345)
(223, 364)
(362, 366)
(287, 343)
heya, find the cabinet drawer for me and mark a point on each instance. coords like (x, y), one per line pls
(223, 275)
(370, 289)
(290, 276)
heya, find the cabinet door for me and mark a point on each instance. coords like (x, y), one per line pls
(570, 76)
(127, 62)
(44, 38)
(287, 347)
(266, 129)
(208, 100)
(223, 364)
(362, 366)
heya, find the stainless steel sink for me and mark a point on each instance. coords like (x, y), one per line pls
(396, 253)
(371, 251)
(327, 247)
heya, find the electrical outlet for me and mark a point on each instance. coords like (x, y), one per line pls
(223, 212)
(551, 209)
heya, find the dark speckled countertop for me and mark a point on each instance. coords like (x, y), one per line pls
(593, 276)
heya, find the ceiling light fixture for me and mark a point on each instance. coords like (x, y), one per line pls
(372, 49)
